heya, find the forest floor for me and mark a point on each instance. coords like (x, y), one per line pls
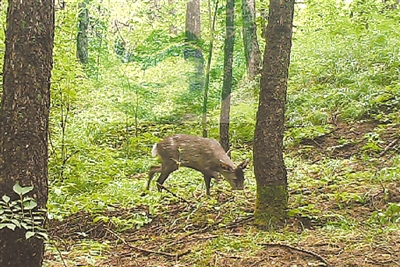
(188, 233)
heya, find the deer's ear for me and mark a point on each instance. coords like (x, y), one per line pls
(244, 164)
(225, 166)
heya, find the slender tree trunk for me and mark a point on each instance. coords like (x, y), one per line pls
(82, 38)
(251, 47)
(193, 23)
(212, 19)
(24, 118)
(227, 83)
(172, 28)
(269, 166)
(193, 52)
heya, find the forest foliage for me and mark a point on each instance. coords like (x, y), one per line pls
(105, 116)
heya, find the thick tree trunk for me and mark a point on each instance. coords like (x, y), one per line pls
(269, 166)
(227, 83)
(251, 47)
(24, 118)
(82, 37)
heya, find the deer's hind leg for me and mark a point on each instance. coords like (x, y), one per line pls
(153, 170)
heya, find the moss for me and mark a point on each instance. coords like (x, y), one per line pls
(271, 206)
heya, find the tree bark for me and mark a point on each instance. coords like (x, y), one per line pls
(193, 52)
(251, 48)
(227, 82)
(269, 166)
(24, 118)
(173, 29)
(82, 37)
(193, 24)
(212, 19)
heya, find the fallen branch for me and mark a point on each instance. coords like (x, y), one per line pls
(320, 258)
(172, 193)
(148, 251)
(388, 147)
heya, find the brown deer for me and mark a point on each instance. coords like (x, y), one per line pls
(202, 154)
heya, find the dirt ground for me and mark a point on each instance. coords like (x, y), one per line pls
(175, 240)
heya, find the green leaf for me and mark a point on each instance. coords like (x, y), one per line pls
(22, 190)
(293, 212)
(25, 226)
(15, 222)
(29, 205)
(6, 198)
(29, 234)
(38, 218)
(15, 209)
(43, 234)
(58, 191)
(10, 226)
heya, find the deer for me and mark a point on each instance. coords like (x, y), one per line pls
(205, 155)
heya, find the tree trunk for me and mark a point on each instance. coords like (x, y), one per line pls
(193, 52)
(227, 83)
(173, 29)
(269, 167)
(251, 48)
(24, 118)
(193, 28)
(212, 19)
(82, 38)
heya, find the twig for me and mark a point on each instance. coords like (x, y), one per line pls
(297, 249)
(172, 193)
(388, 147)
(177, 256)
(237, 257)
(204, 229)
(235, 223)
(199, 231)
(229, 255)
(318, 144)
(59, 252)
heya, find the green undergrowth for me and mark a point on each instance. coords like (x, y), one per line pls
(342, 115)
(329, 204)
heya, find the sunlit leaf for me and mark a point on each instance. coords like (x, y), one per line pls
(22, 190)
(9, 226)
(29, 234)
(6, 198)
(29, 205)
